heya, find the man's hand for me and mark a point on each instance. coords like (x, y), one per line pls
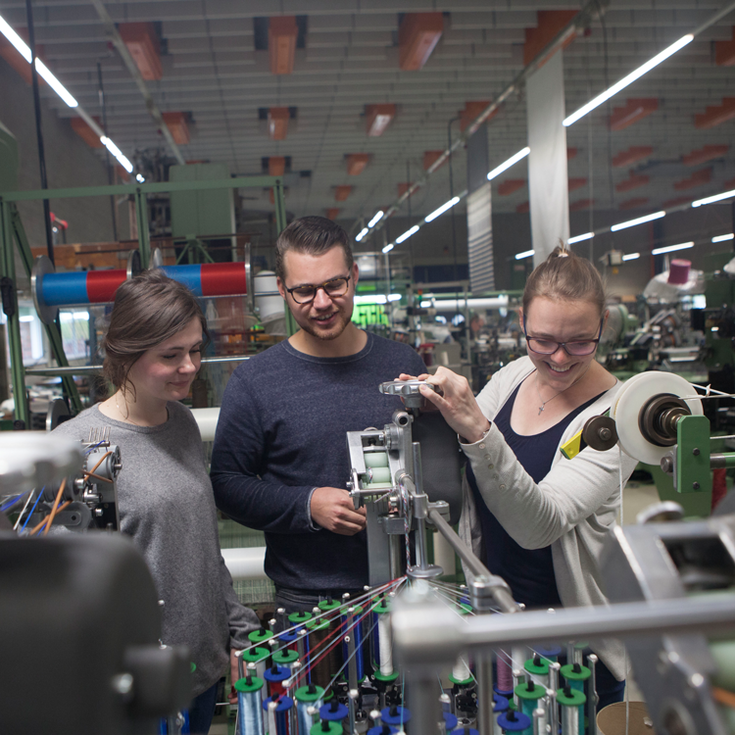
(332, 508)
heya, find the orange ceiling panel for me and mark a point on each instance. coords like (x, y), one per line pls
(725, 51)
(417, 36)
(634, 181)
(729, 185)
(635, 203)
(716, 114)
(548, 26)
(178, 124)
(571, 153)
(278, 122)
(282, 36)
(145, 48)
(356, 163)
(431, 157)
(378, 118)
(403, 187)
(86, 133)
(507, 187)
(581, 204)
(332, 213)
(342, 192)
(634, 154)
(523, 208)
(276, 165)
(577, 183)
(702, 155)
(635, 109)
(703, 176)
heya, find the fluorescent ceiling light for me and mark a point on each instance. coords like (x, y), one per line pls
(388, 248)
(425, 304)
(377, 298)
(637, 221)
(140, 178)
(723, 238)
(672, 248)
(20, 45)
(580, 238)
(122, 160)
(55, 84)
(715, 198)
(374, 221)
(407, 234)
(625, 81)
(444, 207)
(364, 231)
(631, 256)
(524, 254)
(507, 164)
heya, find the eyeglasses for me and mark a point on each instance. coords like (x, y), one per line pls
(577, 348)
(333, 288)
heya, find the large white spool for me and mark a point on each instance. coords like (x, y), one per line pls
(629, 403)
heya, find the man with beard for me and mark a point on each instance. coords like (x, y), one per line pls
(280, 461)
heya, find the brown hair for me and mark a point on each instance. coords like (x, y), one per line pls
(565, 276)
(313, 235)
(148, 310)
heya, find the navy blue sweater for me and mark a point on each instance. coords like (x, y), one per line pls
(282, 433)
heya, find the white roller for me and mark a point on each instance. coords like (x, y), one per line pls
(245, 563)
(636, 392)
(386, 647)
(206, 419)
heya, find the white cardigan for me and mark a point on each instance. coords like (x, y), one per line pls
(572, 509)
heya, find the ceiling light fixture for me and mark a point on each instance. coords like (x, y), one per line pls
(507, 164)
(388, 248)
(580, 238)
(407, 234)
(122, 160)
(524, 254)
(631, 256)
(374, 221)
(672, 248)
(140, 178)
(715, 198)
(724, 238)
(364, 231)
(444, 207)
(625, 81)
(638, 221)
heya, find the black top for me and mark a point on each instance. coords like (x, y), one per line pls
(529, 572)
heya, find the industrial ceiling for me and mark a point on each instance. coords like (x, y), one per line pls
(218, 57)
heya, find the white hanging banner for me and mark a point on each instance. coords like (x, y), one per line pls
(547, 163)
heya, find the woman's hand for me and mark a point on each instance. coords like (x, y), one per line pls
(455, 400)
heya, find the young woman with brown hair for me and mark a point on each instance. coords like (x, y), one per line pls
(152, 354)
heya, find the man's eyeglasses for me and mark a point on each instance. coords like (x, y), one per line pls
(307, 293)
(577, 348)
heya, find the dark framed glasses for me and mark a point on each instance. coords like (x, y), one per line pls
(576, 348)
(307, 293)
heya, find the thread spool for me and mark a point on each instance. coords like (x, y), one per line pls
(257, 656)
(538, 668)
(395, 715)
(381, 640)
(249, 703)
(286, 657)
(679, 271)
(275, 676)
(549, 652)
(318, 632)
(278, 715)
(259, 636)
(382, 730)
(572, 710)
(299, 618)
(500, 706)
(307, 697)
(530, 695)
(450, 721)
(211, 279)
(352, 626)
(334, 711)
(576, 675)
(327, 727)
(503, 675)
(512, 721)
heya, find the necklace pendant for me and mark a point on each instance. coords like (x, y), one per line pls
(541, 409)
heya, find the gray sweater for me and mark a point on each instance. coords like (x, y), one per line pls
(166, 505)
(572, 509)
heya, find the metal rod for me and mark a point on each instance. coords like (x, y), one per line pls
(718, 461)
(485, 702)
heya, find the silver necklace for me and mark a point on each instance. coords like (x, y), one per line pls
(548, 400)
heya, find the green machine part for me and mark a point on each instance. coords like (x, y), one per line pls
(693, 472)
